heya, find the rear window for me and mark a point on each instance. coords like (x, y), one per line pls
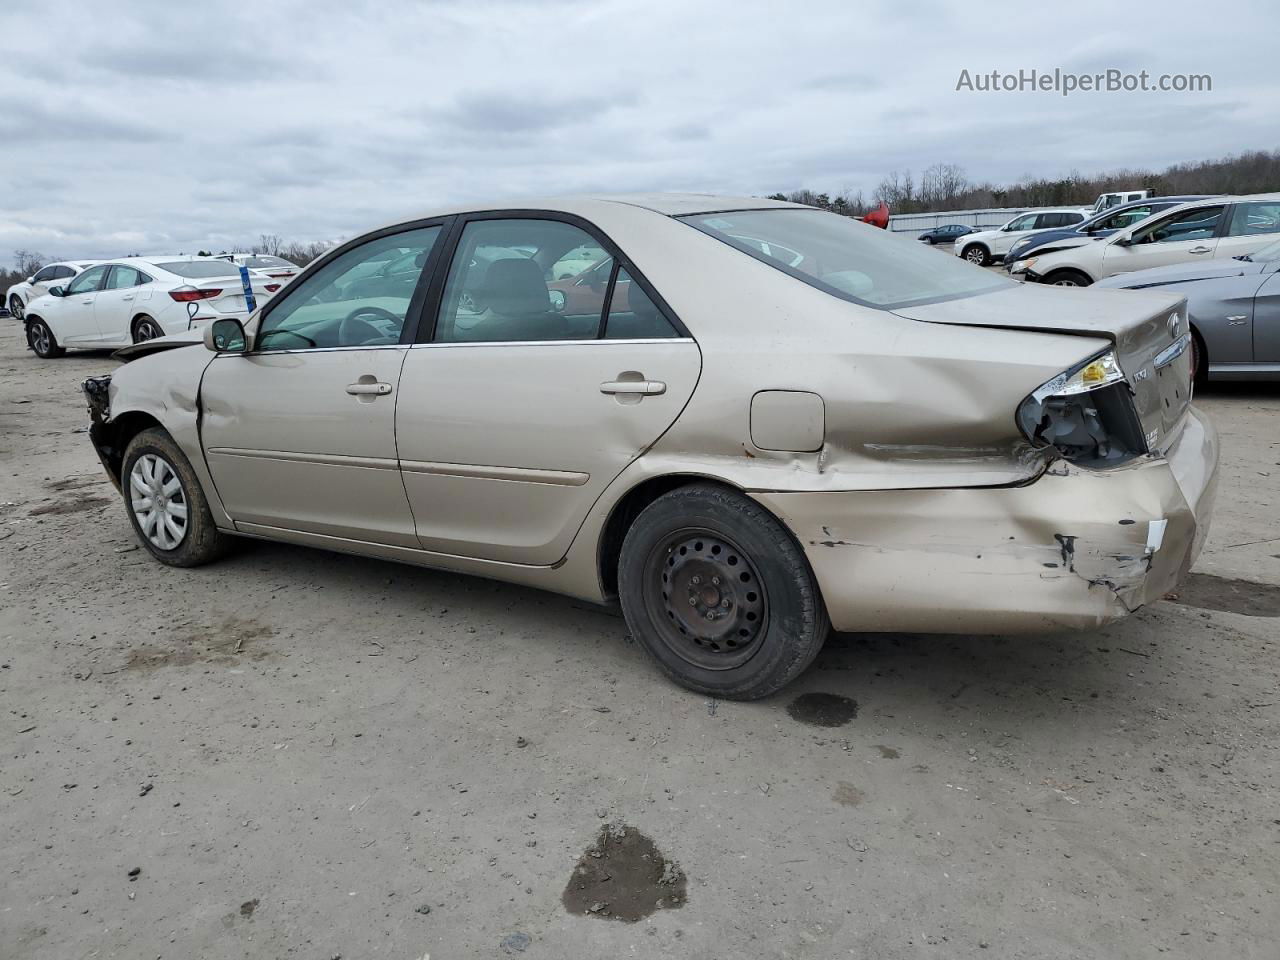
(200, 269)
(848, 259)
(260, 262)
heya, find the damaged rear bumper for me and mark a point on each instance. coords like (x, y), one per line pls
(1077, 548)
(97, 392)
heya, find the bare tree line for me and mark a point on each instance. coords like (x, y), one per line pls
(945, 186)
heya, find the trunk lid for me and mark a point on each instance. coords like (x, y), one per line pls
(1148, 330)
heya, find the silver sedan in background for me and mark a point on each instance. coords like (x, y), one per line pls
(1234, 307)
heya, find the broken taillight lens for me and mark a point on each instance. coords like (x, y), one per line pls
(1086, 414)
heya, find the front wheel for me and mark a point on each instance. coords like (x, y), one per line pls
(717, 591)
(977, 254)
(1067, 278)
(42, 341)
(166, 506)
(16, 308)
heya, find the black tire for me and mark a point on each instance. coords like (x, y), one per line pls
(201, 541)
(42, 341)
(1199, 359)
(16, 307)
(976, 254)
(1067, 278)
(145, 328)
(703, 551)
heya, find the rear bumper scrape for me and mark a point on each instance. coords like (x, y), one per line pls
(1077, 548)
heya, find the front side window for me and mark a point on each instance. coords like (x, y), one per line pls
(518, 280)
(1199, 223)
(850, 260)
(48, 273)
(87, 282)
(358, 299)
(1023, 223)
(1251, 219)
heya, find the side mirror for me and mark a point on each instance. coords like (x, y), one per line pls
(225, 336)
(31, 279)
(1124, 240)
(58, 291)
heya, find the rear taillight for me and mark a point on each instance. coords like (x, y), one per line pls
(272, 287)
(188, 294)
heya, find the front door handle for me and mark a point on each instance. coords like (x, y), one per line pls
(368, 389)
(645, 388)
(129, 297)
(1200, 250)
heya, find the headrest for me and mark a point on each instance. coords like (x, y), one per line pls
(515, 288)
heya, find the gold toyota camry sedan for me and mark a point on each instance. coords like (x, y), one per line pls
(747, 421)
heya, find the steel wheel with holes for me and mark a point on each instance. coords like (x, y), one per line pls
(165, 503)
(42, 341)
(719, 593)
(145, 328)
(16, 307)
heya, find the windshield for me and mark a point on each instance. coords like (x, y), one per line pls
(198, 269)
(848, 259)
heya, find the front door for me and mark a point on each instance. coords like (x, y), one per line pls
(522, 407)
(73, 314)
(1178, 238)
(299, 433)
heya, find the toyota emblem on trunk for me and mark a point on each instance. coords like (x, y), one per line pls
(1172, 324)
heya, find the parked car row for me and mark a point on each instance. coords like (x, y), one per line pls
(133, 299)
(1220, 252)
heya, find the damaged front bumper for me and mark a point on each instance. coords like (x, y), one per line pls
(1077, 548)
(97, 391)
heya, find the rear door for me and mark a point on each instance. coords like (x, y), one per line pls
(114, 306)
(518, 408)
(1250, 227)
(1266, 321)
(1178, 238)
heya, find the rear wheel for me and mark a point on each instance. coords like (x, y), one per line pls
(1199, 360)
(977, 254)
(42, 341)
(1067, 278)
(16, 307)
(719, 594)
(145, 328)
(166, 505)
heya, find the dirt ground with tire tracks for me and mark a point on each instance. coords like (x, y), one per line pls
(299, 754)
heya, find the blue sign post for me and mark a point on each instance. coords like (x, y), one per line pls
(249, 302)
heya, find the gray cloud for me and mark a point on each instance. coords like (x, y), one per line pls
(159, 127)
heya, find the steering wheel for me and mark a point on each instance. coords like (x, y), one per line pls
(354, 331)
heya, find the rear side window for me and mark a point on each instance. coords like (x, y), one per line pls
(201, 269)
(633, 315)
(62, 273)
(1251, 219)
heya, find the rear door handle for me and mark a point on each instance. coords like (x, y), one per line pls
(647, 388)
(368, 389)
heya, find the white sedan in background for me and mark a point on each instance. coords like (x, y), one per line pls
(130, 300)
(1217, 228)
(277, 268)
(39, 283)
(983, 247)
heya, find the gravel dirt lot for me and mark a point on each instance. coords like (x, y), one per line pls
(299, 754)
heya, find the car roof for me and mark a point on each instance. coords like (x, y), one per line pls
(667, 204)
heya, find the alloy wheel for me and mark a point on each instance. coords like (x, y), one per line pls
(147, 329)
(159, 503)
(39, 337)
(710, 605)
(975, 256)
(16, 308)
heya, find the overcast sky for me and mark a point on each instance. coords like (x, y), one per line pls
(165, 127)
